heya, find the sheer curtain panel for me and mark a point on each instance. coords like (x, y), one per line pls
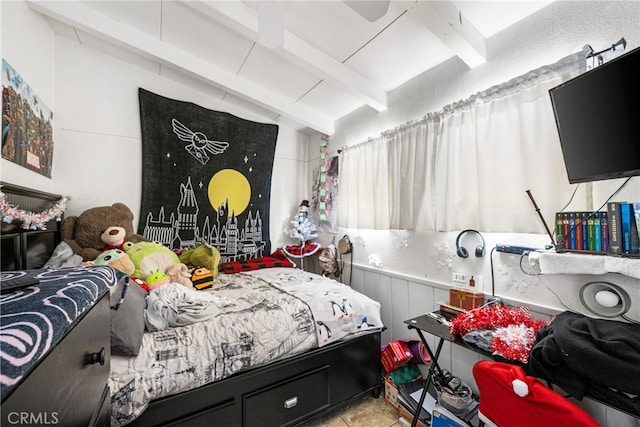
(465, 166)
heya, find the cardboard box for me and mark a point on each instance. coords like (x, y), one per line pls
(465, 299)
(391, 392)
(395, 355)
(408, 416)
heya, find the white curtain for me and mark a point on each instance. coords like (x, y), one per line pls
(364, 195)
(466, 166)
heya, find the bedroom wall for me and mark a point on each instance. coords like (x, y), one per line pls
(27, 43)
(416, 267)
(554, 32)
(97, 142)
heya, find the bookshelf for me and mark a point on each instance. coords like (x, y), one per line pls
(551, 262)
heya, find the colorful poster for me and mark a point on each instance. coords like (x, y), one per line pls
(27, 124)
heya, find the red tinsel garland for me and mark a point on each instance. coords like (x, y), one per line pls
(515, 329)
(492, 317)
(513, 342)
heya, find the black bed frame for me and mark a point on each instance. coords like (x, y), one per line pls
(282, 393)
(319, 380)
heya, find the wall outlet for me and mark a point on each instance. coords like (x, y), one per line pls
(467, 281)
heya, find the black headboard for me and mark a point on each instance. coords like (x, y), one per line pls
(27, 249)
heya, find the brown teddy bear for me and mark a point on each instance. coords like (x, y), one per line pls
(100, 228)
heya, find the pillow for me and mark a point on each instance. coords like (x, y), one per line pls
(277, 259)
(127, 322)
(63, 256)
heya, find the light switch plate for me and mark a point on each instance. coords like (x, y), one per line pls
(464, 280)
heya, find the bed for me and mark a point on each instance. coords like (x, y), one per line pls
(272, 346)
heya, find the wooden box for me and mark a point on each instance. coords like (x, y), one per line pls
(465, 299)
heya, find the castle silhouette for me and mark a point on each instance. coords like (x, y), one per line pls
(182, 229)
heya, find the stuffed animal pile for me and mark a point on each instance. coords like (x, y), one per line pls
(105, 236)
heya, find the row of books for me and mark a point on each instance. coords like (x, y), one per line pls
(611, 231)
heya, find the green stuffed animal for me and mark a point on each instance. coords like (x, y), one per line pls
(116, 259)
(156, 279)
(149, 257)
(204, 255)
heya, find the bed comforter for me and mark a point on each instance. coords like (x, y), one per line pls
(262, 316)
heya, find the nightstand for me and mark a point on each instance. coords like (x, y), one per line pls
(69, 386)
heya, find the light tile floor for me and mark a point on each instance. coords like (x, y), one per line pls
(366, 411)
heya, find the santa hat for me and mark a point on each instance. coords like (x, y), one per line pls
(509, 397)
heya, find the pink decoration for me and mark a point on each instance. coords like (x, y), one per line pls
(30, 220)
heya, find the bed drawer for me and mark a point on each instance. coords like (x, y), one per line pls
(67, 387)
(288, 401)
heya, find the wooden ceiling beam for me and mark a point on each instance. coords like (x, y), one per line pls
(446, 21)
(91, 21)
(244, 20)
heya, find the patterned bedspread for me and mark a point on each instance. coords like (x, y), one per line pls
(34, 319)
(338, 310)
(267, 318)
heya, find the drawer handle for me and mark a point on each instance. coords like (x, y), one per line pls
(290, 403)
(98, 357)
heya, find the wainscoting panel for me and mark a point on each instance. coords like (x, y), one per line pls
(403, 297)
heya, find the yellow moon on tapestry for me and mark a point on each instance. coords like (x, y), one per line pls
(232, 186)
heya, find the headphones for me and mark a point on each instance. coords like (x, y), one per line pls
(462, 251)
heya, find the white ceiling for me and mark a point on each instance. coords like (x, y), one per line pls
(323, 62)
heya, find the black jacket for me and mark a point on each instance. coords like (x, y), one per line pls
(586, 356)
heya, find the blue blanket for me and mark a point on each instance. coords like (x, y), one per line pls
(33, 320)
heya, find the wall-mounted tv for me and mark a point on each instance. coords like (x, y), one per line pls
(598, 119)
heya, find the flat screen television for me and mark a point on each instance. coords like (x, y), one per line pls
(598, 118)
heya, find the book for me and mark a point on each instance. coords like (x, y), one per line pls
(585, 225)
(444, 418)
(634, 238)
(604, 234)
(625, 226)
(636, 214)
(559, 229)
(597, 232)
(578, 226)
(572, 231)
(565, 230)
(590, 233)
(615, 241)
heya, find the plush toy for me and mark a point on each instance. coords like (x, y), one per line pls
(149, 257)
(156, 279)
(179, 273)
(203, 255)
(202, 278)
(115, 258)
(114, 238)
(98, 228)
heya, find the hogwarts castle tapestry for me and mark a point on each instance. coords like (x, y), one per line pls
(206, 177)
